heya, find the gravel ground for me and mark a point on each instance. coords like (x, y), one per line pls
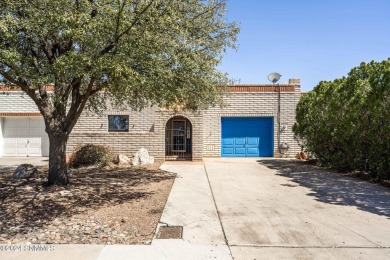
(115, 205)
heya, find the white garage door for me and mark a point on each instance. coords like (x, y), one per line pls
(25, 136)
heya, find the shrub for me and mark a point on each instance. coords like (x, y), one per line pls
(345, 123)
(91, 154)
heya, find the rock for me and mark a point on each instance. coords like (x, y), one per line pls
(24, 171)
(28, 188)
(135, 159)
(121, 159)
(142, 157)
(66, 193)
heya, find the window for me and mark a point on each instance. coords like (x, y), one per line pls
(118, 123)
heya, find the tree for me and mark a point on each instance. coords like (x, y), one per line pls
(134, 52)
(345, 123)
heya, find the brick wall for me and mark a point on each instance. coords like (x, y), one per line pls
(252, 104)
(139, 122)
(146, 129)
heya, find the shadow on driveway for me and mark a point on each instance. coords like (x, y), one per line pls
(333, 188)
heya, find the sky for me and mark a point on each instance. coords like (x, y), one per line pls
(313, 40)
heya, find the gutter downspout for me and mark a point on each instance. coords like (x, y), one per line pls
(279, 120)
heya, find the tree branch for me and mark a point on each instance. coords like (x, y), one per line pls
(118, 20)
(48, 54)
(112, 44)
(77, 107)
(11, 79)
(42, 91)
(69, 88)
(207, 11)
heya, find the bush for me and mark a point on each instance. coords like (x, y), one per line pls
(345, 123)
(91, 154)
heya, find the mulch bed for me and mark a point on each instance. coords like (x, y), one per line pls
(115, 205)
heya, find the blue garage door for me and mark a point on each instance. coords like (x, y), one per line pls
(247, 136)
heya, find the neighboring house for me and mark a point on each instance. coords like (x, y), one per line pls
(247, 126)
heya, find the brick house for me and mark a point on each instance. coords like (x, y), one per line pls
(247, 126)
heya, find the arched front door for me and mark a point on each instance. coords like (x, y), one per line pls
(178, 139)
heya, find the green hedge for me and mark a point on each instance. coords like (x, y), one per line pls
(345, 123)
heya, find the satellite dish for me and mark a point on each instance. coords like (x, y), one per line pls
(274, 77)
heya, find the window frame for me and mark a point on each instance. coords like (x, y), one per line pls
(110, 130)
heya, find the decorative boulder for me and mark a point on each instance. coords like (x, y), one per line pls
(121, 159)
(24, 171)
(142, 157)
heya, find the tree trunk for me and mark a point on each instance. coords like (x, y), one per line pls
(58, 169)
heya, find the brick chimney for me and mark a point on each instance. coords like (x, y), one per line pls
(294, 82)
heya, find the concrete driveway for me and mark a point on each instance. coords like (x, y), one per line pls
(257, 209)
(10, 163)
(278, 209)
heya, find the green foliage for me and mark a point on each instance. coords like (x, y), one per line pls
(135, 53)
(346, 123)
(162, 52)
(91, 154)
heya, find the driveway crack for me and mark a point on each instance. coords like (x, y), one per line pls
(216, 207)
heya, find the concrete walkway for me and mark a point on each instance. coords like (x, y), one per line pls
(257, 209)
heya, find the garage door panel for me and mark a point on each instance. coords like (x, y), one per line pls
(228, 141)
(10, 141)
(240, 141)
(240, 151)
(35, 140)
(253, 136)
(34, 151)
(21, 141)
(252, 152)
(21, 150)
(25, 137)
(10, 151)
(253, 141)
(10, 145)
(34, 147)
(228, 151)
